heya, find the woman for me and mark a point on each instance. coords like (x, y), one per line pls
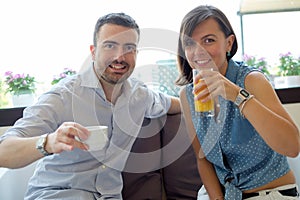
(242, 150)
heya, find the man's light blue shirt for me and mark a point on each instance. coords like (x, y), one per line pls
(80, 174)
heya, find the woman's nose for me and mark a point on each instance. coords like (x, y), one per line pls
(199, 50)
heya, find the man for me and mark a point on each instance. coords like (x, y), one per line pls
(102, 94)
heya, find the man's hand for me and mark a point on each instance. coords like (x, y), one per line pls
(64, 138)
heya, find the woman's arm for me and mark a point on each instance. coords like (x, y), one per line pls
(266, 113)
(205, 168)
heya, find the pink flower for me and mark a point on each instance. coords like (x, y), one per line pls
(62, 75)
(285, 54)
(17, 76)
(8, 73)
(18, 83)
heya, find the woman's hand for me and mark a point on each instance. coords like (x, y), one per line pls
(215, 84)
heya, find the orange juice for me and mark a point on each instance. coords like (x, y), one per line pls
(204, 106)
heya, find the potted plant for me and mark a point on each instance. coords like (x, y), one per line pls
(288, 65)
(259, 63)
(66, 72)
(21, 87)
(3, 99)
(288, 70)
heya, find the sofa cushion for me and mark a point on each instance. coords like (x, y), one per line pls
(162, 158)
(142, 175)
(180, 176)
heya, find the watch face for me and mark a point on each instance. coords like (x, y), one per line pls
(244, 93)
(39, 144)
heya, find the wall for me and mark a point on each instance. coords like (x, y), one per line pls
(294, 110)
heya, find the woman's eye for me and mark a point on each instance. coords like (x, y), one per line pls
(208, 40)
(189, 43)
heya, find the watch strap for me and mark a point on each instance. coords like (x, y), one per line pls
(40, 144)
(242, 96)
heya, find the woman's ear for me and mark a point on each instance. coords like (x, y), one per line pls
(230, 39)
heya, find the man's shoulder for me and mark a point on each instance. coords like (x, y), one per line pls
(135, 81)
(70, 81)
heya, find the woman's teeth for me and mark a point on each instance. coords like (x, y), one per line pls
(202, 62)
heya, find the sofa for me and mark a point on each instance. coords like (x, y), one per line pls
(170, 173)
(169, 168)
(162, 165)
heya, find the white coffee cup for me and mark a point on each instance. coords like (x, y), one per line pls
(97, 139)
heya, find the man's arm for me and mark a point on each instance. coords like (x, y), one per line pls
(16, 152)
(175, 106)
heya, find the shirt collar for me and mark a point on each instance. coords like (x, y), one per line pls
(231, 72)
(89, 78)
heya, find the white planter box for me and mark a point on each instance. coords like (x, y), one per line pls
(286, 81)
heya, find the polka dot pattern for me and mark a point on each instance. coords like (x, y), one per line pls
(231, 143)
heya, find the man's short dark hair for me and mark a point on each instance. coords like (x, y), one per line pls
(118, 19)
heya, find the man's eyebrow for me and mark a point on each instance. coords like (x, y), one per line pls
(114, 42)
(110, 41)
(130, 43)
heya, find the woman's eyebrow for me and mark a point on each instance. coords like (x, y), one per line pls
(208, 35)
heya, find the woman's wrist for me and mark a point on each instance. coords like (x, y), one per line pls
(241, 107)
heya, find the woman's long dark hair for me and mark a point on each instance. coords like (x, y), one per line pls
(188, 24)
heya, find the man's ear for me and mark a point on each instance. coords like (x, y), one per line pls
(92, 50)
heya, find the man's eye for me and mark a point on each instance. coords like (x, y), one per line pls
(108, 46)
(129, 48)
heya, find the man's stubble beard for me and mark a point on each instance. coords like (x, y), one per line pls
(113, 80)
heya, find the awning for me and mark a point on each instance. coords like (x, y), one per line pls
(267, 6)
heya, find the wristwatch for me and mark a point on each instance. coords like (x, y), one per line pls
(242, 96)
(40, 145)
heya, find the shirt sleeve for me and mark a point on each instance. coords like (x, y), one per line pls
(159, 103)
(38, 119)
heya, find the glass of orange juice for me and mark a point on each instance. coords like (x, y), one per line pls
(203, 109)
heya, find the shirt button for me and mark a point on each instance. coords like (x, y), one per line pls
(103, 166)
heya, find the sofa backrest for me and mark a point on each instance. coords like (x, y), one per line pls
(162, 163)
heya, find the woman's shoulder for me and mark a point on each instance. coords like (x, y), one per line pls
(242, 71)
(243, 67)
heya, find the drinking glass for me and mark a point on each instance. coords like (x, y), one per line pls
(203, 109)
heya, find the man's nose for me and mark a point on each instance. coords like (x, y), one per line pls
(120, 54)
